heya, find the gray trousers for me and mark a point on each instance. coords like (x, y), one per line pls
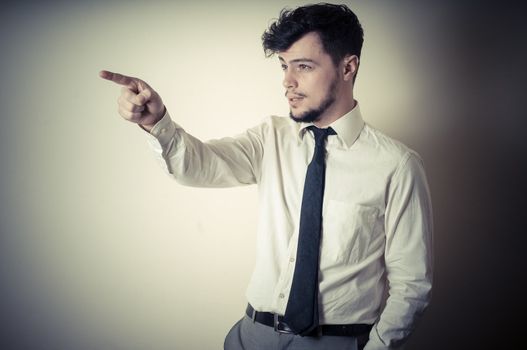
(249, 335)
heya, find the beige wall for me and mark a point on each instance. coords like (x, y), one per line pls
(102, 250)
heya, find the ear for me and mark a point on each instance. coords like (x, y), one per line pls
(350, 64)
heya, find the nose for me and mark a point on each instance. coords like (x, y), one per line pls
(289, 79)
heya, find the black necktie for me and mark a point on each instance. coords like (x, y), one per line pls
(301, 314)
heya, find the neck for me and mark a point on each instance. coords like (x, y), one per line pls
(339, 108)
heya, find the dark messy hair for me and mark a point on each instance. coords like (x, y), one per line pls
(338, 27)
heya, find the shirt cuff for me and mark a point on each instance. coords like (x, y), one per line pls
(164, 129)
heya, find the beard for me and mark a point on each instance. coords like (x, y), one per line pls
(313, 115)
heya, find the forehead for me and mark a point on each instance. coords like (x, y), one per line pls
(309, 46)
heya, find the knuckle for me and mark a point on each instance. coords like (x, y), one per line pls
(123, 104)
(126, 92)
(139, 100)
(131, 100)
(124, 113)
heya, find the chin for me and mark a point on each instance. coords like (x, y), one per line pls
(295, 115)
(298, 114)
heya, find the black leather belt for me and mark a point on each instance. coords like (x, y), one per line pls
(276, 321)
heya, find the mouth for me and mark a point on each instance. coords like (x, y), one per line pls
(294, 100)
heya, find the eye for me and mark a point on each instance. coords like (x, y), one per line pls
(284, 67)
(304, 67)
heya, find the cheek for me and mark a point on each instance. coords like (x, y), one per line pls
(314, 84)
(319, 89)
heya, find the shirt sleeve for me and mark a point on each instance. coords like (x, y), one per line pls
(408, 255)
(225, 162)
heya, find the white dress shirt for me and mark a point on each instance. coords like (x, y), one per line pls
(376, 247)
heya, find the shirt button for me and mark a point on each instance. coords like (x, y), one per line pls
(292, 260)
(281, 295)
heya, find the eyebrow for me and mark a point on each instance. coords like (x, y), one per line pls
(296, 60)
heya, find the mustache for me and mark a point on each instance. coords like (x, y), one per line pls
(294, 94)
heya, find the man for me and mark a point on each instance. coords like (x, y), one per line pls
(344, 240)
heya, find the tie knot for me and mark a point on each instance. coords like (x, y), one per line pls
(321, 134)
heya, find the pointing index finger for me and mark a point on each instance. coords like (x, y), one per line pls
(116, 78)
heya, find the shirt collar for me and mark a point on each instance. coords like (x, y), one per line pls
(348, 127)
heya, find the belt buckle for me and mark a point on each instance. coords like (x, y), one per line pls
(277, 324)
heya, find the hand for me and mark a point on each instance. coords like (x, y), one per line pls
(138, 103)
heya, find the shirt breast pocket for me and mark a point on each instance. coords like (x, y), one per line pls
(348, 231)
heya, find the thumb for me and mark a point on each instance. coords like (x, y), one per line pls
(144, 96)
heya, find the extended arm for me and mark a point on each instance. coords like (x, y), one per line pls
(216, 163)
(226, 162)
